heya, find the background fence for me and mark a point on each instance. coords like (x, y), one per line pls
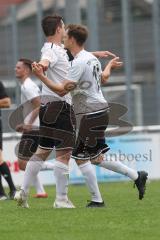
(129, 28)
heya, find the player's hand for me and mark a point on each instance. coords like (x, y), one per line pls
(24, 128)
(27, 128)
(37, 69)
(105, 54)
(69, 85)
(19, 128)
(115, 63)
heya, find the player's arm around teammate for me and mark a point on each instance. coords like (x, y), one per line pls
(69, 85)
(60, 88)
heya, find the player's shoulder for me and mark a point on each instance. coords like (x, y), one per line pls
(84, 56)
(29, 84)
(48, 46)
(90, 56)
(80, 58)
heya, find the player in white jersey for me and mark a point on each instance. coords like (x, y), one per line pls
(90, 103)
(86, 68)
(56, 117)
(30, 100)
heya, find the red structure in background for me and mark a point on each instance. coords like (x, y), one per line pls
(13, 166)
(8, 2)
(5, 3)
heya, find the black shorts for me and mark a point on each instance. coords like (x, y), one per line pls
(28, 145)
(90, 141)
(1, 135)
(57, 126)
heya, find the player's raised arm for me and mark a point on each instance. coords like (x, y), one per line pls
(114, 63)
(103, 54)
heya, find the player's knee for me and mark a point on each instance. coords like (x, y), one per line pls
(42, 153)
(22, 164)
(98, 160)
(63, 155)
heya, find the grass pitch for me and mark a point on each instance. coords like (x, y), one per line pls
(124, 217)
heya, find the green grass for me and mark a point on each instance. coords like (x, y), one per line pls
(124, 218)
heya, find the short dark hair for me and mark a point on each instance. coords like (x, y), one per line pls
(50, 24)
(26, 62)
(78, 32)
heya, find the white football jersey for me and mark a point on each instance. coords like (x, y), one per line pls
(57, 71)
(29, 90)
(86, 71)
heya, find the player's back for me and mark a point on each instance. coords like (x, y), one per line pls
(88, 95)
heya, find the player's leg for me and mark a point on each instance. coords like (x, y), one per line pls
(4, 169)
(65, 124)
(27, 147)
(89, 174)
(61, 173)
(101, 147)
(3, 195)
(139, 177)
(2, 192)
(117, 166)
(83, 150)
(40, 192)
(51, 119)
(5, 172)
(33, 167)
(46, 145)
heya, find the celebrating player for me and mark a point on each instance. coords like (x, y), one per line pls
(90, 104)
(56, 117)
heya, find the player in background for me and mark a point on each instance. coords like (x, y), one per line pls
(30, 100)
(90, 104)
(5, 102)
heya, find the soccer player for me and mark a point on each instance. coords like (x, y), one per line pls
(4, 170)
(30, 98)
(56, 118)
(90, 104)
(86, 68)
